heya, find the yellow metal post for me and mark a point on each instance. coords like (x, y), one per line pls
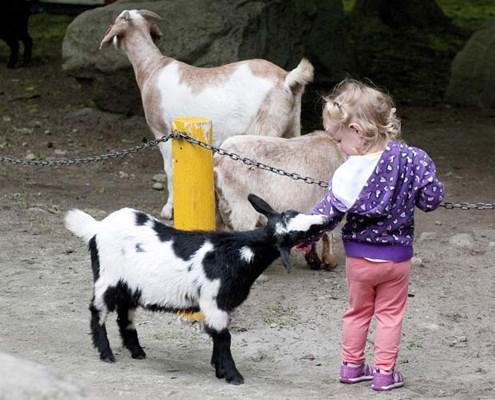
(194, 193)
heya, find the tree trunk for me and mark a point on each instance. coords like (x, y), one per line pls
(404, 13)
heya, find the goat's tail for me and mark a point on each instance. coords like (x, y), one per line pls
(301, 75)
(81, 224)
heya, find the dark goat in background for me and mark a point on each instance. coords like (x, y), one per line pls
(14, 28)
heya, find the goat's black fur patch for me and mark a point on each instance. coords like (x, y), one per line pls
(141, 218)
(95, 259)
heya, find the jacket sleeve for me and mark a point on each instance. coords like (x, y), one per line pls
(431, 190)
(328, 208)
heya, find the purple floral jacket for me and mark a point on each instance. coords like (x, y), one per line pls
(380, 224)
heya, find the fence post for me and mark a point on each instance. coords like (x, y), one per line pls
(194, 193)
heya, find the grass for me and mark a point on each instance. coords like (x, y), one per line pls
(48, 32)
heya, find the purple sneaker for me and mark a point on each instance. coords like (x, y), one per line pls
(382, 381)
(350, 374)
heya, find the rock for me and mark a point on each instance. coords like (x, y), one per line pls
(472, 80)
(262, 278)
(208, 34)
(427, 237)
(30, 156)
(23, 380)
(462, 241)
(417, 262)
(158, 186)
(162, 178)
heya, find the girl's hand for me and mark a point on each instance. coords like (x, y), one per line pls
(303, 247)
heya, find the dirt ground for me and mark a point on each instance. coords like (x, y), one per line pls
(286, 336)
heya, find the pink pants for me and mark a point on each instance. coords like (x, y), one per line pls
(380, 289)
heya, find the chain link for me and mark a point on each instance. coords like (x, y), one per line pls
(214, 149)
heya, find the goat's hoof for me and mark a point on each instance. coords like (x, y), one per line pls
(167, 212)
(315, 265)
(236, 379)
(329, 267)
(107, 357)
(139, 355)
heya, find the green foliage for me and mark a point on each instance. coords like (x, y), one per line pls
(348, 6)
(469, 15)
(48, 31)
(413, 64)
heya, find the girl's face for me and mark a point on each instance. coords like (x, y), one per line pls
(350, 139)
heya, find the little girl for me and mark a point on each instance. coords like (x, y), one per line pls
(377, 187)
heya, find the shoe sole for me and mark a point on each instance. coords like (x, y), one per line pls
(350, 381)
(389, 387)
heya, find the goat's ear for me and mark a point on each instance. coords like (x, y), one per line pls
(112, 31)
(155, 33)
(261, 205)
(285, 256)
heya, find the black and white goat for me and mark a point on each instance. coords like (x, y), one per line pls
(139, 261)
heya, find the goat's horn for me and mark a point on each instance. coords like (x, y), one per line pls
(126, 15)
(149, 14)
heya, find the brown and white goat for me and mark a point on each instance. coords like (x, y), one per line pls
(247, 97)
(315, 155)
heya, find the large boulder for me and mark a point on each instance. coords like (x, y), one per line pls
(24, 380)
(472, 80)
(208, 33)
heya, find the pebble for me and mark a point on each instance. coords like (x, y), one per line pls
(427, 236)
(30, 156)
(158, 186)
(262, 278)
(25, 131)
(416, 261)
(462, 241)
(162, 178)
(59, 152)
(123, 175)
(6, 118)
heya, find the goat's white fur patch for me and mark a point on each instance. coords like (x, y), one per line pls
(231, 105)
(247, 254)
(300, 223)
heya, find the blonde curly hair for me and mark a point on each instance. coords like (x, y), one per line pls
(355, 101)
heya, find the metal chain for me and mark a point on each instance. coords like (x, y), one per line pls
(249, 161)
(214, 149)
(468, 206)
(86, 160)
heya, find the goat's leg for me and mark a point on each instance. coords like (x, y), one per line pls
(312, 259)
(125, 320)
(28, 47)
(166, 150)
(222, 357)
(14, 51)
(99, 332)
(329, 261)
